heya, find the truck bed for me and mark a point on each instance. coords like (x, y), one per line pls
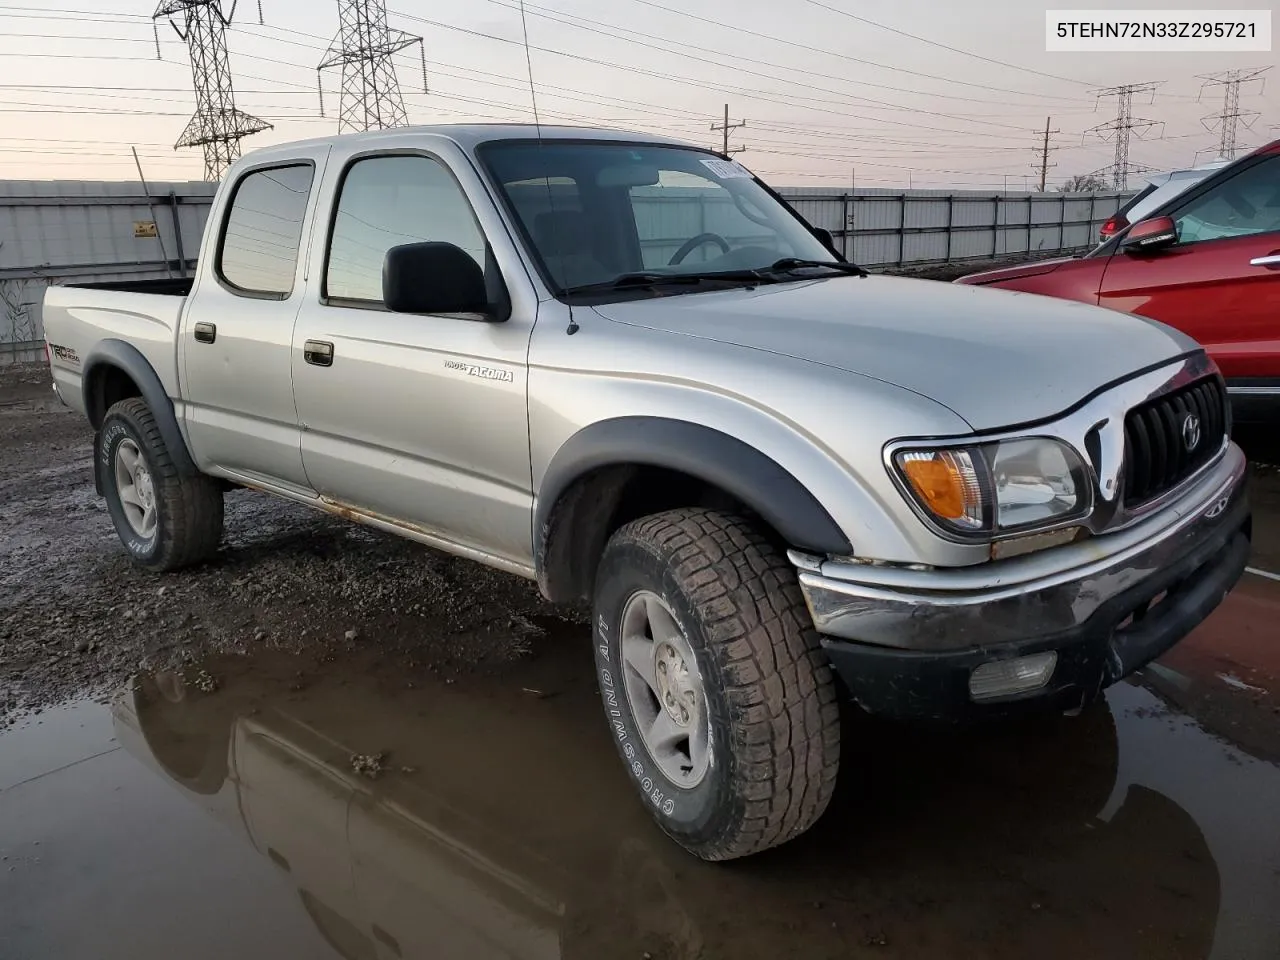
(144, 314)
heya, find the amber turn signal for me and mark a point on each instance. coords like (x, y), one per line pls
(946, 484)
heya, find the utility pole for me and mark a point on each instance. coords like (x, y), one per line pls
(725, 128)
(217, 126)
(1045, 166)
(364, 46)
(1227, 121)
(1122, 127)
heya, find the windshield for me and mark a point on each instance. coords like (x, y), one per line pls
(594, 212)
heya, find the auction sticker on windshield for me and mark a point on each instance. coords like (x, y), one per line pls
(726, 169)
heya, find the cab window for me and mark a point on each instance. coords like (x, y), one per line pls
(389, 201)
(259, 250)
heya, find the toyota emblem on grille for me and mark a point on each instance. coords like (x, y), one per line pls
(1191, 432)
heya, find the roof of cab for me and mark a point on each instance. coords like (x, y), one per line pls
(466, 136)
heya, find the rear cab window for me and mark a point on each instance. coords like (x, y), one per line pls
(262, 232)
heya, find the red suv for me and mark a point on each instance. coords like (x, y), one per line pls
(1207, 262)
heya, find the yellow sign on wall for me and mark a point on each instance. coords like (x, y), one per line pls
(144, 229)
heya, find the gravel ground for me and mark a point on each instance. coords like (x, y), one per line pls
(76, 616)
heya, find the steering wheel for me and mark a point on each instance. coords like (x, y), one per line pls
(693, 243)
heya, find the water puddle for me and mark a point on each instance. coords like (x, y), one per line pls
(309, 809)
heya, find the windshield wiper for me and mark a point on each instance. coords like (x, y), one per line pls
(643, 279)
(795, 263)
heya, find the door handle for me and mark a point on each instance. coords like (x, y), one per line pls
(318, 353)
(206, 332)
(1272, 260)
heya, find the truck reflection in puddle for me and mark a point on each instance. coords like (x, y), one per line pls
(500, 829)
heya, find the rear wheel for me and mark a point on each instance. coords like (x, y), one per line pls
(716, 689)
(166, 519)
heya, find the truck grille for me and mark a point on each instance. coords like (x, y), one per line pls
(1158, 453)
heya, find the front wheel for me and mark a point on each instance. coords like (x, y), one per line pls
(720, 700)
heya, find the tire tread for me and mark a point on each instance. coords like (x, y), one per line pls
(784, 715)
(192, 503)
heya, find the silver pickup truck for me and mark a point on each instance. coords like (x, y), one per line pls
(622, 366)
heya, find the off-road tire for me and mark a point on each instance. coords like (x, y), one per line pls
(770, 693)
(189, 506)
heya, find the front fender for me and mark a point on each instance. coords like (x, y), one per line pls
(699, 451)
(821, 427)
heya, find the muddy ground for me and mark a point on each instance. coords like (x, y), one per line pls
(76, 616)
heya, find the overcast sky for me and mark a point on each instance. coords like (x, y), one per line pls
(826, 97)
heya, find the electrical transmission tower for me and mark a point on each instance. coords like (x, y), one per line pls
(726, 128)
(364, 46)
(217, 125)
(1121, 128)
(1228, 120)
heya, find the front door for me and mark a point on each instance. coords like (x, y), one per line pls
(237, 333)
(417, 419)
(1221, 282)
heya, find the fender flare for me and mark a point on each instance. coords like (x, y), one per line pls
(714, 457)
(127, 358)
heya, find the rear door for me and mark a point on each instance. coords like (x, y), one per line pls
(236, 339)
(1221, 283)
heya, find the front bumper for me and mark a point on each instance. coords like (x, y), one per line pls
(906, 643)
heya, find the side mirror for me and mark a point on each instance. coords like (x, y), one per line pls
(1157, 233)
(433, 277)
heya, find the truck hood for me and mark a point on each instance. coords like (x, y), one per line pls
(1035, 269)
(996, 358)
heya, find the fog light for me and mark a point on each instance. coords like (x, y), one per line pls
(1003, 678)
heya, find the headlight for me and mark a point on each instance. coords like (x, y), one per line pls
(998, 488)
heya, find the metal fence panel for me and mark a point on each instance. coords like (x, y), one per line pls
(885, 228)
(87, 231)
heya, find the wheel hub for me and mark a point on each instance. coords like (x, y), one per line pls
(664, 690)
(136, 489)
(676, 689)
(146, 492)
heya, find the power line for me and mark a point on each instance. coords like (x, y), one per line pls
(747, 92)
(1122, 127)
(950, 81)
(630, 36)
(943, 46)
(217, 126)
(804, 131)
(763, 96)
(363, 48)
(664, 108)
(1228, 119)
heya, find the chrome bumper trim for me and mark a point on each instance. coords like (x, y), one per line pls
(1023, 598)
